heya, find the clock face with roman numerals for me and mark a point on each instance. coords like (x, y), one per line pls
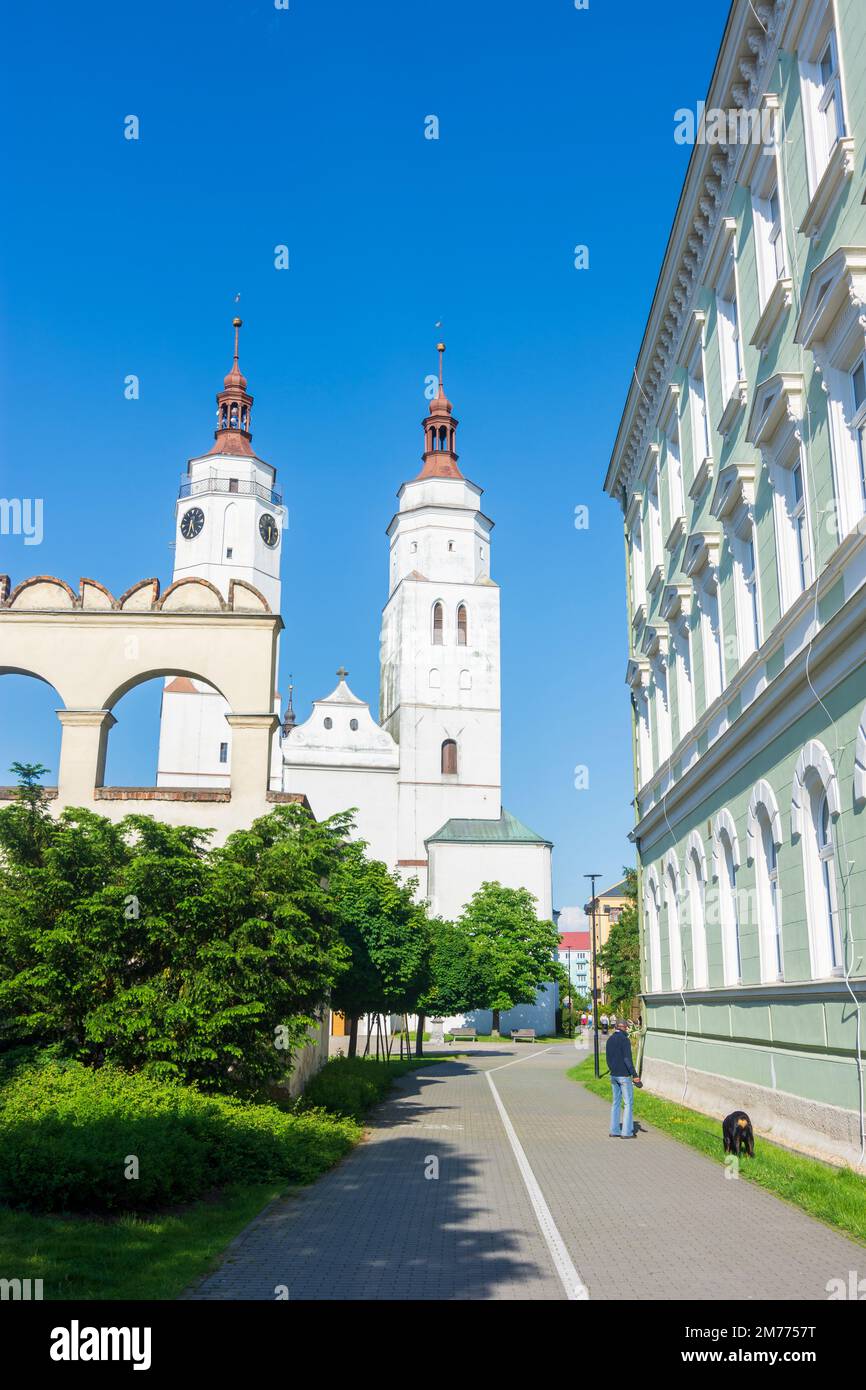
(191, 523)
(268, 530)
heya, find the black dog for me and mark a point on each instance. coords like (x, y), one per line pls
(737, 1134)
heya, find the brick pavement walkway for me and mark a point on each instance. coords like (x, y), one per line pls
(647, 1219)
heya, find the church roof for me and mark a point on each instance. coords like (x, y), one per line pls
(506, 830)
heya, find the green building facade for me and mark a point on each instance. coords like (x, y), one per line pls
(740, 467)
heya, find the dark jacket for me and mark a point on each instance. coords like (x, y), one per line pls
(618, 1055)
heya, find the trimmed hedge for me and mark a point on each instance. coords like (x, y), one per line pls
(348, 1086)
(68, 1133)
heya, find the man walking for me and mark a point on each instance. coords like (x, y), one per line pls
(622, 1071)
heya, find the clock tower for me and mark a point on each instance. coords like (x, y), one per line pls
(229, 525)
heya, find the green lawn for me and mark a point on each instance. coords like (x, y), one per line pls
(836, 1196)
(152, 1256)
(148, 1257)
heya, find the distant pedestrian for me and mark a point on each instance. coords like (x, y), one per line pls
(623, 1076)
(604, 1023)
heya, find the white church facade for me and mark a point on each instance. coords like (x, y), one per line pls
(425, 777)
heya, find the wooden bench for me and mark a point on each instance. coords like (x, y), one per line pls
(523, 1035)
(462, 1034)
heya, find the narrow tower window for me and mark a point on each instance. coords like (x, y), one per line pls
(449, 756)
(438, 625)
(462, 625)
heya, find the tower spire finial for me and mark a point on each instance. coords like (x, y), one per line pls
(440, 429)
(234, 408)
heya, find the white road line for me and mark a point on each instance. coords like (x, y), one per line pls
(530, 1057)
(575, 1289)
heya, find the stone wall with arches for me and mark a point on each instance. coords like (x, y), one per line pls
(93, 648)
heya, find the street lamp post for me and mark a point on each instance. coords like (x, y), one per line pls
(592, 878)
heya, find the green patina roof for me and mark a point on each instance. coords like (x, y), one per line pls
(506, 830)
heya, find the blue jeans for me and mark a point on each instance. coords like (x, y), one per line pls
(623, 1094)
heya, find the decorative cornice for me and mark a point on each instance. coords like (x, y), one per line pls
(742, 73)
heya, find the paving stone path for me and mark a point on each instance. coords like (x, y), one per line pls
(643, 1219)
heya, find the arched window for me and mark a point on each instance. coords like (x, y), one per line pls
(764, 838)
(438, 625)
(815, 803)
(329, 723)
(727, 862)
(696, 899)
(353, 725)
(449, 756)
(653, 932)
(675, 945)
(465, 680)
(769, 897)
(462, 625)
(435, 678)
(443, 437)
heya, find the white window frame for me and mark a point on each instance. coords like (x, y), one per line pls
(770, 241)
(711, 643)
(638, 563)
(764, 835)
(726, 864)
(661, 709)
(747, 590)
(823, 98)
(671, 879)
(696, 891)
(681, 646)
(815, 786)
(653, 926)
(655, 518)
(702, 447)
(673, 454)
(729, 327)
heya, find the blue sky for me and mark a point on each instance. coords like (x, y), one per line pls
(305, 127)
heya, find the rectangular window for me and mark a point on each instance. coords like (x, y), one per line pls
(858, 419)
(769, 236)
(224, 752)
(714, 676)
(655, 518)
(675, 473)
(830, 93)
(823, 109)
(729, 332)
(638, 573)
(801, 526)
(698, 408)
(748, 610)
(233, 484)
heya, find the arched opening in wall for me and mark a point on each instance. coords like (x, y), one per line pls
(462, 625)
(449, 757)
(170, 731)
(30, 730)
(438, 625)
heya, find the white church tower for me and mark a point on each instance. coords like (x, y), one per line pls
(229, 525)
(439, 647)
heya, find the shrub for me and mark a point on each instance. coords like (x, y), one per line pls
(67, 1133)
(348, 1086)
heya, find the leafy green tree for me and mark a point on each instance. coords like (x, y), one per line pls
(139, 944)
(387, 937)
(31, 805)
(513, 951)
(619, 958)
